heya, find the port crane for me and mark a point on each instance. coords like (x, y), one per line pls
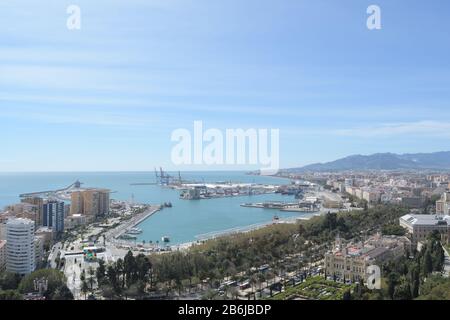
(165, 179)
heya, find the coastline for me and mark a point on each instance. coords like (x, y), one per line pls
(238, 230)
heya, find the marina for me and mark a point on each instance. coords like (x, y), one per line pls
(180, 220)
(128, 230)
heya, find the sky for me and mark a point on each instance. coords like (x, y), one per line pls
(107, 97)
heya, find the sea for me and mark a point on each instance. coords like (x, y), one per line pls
(185, 222)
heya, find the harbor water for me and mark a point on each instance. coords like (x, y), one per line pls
(182, 223)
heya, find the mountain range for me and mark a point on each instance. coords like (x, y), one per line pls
(383, 161)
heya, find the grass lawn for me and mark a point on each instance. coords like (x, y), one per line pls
(316, 288)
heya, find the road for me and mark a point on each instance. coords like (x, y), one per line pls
(446, 262)
(54, 254)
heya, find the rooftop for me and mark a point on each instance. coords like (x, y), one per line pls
(426, 219)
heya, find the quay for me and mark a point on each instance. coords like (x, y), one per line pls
(282, 206)
(133, 222)
(237, 230)
(144, 184)
(223, 190)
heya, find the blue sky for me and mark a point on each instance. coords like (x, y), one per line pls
(107, 97)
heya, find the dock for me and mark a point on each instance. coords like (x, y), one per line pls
(133, 222)
(237, 230)
(282, 206)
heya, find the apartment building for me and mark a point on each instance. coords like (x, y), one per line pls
(20, 246)
(443, 205)
(2, 255)
(420, 226)
(90, 202)
(53, 215)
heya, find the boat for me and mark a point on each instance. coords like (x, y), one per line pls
(168, 204)
(274, 205)
(252, 205)
(134, 231)
(165, 239)
(127, 237)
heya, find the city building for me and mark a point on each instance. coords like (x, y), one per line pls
(413, 202)
(370, 196)
(76, 220)
(23, 210)
(2, 255)
(37, 202)
(443, 205)
(47, 236)
(53, 216)
(38, 250)
(20, 246)
(2, 229)
(348, 182)
(90, 202)
(350, 262)
(420, 226)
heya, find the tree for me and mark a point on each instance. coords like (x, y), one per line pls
(91, 273)
(393, 230)
(347, 295)
(108, 292)
(63, 293)
(10, 295)
(143, 267)
(435, 288)
(428, 263)
(393, 280)
(85, 289)
(9, 281)
(415, 281)
(129, 269)
(403, 292)
(119, 272)
(55, 279)
(111, 274)
(100, 272)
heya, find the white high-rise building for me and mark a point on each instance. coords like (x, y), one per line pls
(20, 247)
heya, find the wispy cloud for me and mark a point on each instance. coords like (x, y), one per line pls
(422, 128)
(80, 117)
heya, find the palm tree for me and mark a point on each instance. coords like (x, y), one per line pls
(253, 282)
(261, 280)
(84, 289)
(91, 277)
(119, 271)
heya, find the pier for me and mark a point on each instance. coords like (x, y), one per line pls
(74, 186)
(223, 190)
(283, 206)
(133, 222)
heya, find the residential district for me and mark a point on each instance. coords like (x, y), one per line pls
(78, 243)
